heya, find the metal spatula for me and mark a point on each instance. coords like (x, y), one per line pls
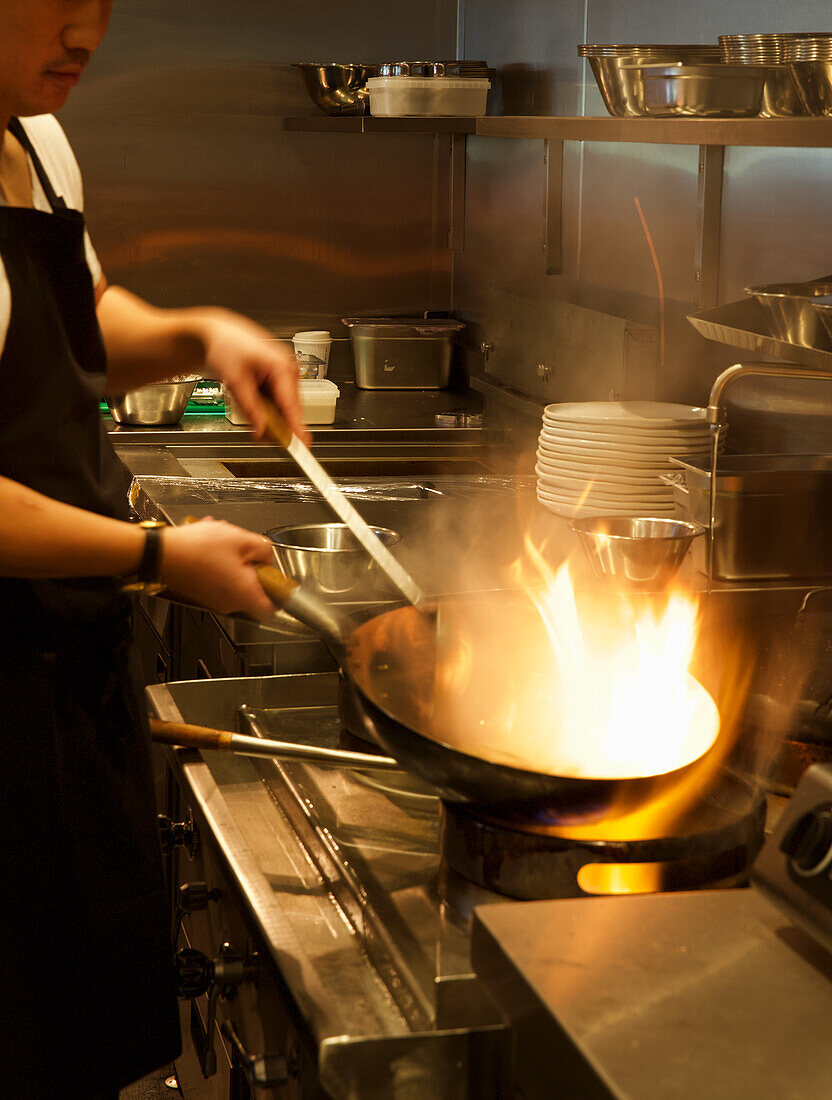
(278, 431)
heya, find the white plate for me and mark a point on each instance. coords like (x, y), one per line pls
(644, 413)
(610, 489)
(610, 475)
(658, 440)
(609, 461)
(602, 446)
(572, 511)
(598, 500)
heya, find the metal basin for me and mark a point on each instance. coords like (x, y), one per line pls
(791, 308)
(328, 558)
(338, 89)
(640, 552)
(158, 404)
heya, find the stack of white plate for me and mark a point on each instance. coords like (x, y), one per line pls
(606, 457)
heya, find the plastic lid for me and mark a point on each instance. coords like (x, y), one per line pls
(423, 324)
(316, 335)
(319, 386)
(461, 83)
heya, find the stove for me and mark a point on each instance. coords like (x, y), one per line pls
(359, 885)
(716, 993)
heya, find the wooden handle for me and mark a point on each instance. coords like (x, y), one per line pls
(277, 586)
(188, 736)
(277, 430)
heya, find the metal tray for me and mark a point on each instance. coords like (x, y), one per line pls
(744, 324)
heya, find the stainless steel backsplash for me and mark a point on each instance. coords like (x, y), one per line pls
(195, 193)
(776, 223)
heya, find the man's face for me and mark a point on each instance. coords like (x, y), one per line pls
(44, 47)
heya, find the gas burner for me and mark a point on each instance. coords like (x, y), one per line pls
(713, 845)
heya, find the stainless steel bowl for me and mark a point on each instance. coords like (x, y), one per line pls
(791, 310)
(328, 558)
(620, 89)
(637, 551)
(814, 78)
(338, 89)
(152, 406)
(701, 91)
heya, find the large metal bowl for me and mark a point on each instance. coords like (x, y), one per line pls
(338, 89)
(620, 89)
(636, 551)
(791, 309)
(327, 558)
(155, 405)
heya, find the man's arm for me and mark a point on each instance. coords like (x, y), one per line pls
(145, 344)
(209, 562)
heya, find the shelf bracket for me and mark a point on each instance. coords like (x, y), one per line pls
(709, 224)
(553, 211)
(456, 221)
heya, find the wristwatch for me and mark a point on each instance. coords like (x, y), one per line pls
(148, 574)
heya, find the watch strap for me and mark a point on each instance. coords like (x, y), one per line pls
(150, 566)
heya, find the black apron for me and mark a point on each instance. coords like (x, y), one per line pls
(85, 958)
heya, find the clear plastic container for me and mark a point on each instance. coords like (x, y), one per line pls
(427, 96)
(318, 397)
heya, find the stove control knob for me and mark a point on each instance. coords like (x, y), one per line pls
(808, 843)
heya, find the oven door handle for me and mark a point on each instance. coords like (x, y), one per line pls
(261, 1070)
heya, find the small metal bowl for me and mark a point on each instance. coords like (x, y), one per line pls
(791, 309)
(327, 558)
(634, 550)
(338, 89)
(155, 405)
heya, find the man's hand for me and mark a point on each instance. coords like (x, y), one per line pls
(145, 344)
(211, 562)
(250, 362)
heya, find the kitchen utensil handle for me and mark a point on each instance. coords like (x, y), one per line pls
(189, 736)
(277, 429)
(288, 595)
(203, 737)
(277, 586)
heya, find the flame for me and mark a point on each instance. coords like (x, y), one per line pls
(624, 703)
(627, 704)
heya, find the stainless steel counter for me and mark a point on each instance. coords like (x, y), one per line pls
(660, 997)
(360, 416)
(335, 872)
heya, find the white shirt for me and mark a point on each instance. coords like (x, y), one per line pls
(55, 152)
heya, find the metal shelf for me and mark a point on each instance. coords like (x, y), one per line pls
(801, 132)
(772, 132)
(371, 124)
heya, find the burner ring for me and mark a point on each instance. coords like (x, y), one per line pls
(718, 839)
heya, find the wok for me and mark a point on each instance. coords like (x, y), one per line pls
(393, 667)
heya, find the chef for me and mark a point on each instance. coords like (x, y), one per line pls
(85, 958)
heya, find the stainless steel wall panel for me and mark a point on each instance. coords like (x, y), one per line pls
(196, 194)
(776, 223)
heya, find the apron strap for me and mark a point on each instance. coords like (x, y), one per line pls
(55, 200)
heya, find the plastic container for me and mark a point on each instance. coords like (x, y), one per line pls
(402, 353)
(318, 397)
(427, 96)
(312, 352)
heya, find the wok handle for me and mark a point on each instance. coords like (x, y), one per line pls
(291, 597)
(188, 736)
(203, 737)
